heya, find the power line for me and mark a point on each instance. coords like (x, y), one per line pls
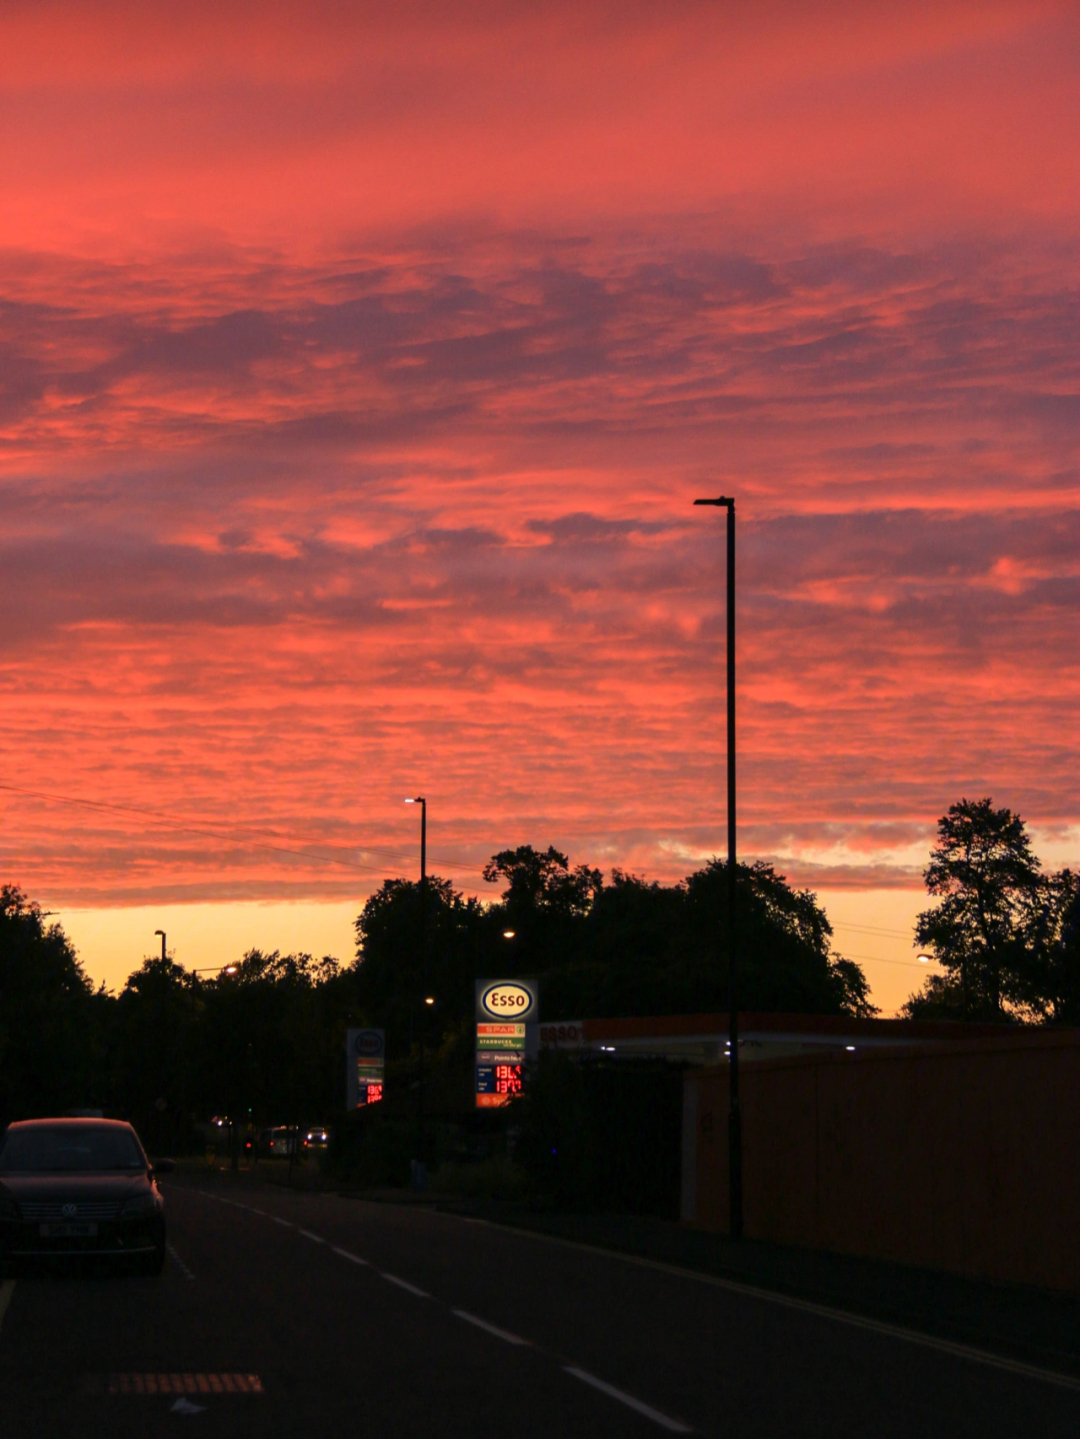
(873, 929)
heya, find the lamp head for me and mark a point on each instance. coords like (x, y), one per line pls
(724, 500)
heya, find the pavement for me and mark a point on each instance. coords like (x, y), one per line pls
(285, 1313)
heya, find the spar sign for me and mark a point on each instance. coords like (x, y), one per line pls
(506, 1030)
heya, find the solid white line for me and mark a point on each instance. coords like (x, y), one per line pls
(286, 1222)
(488, 1328)
(674, 1426)
(7, 1289)
(260, 1212)
(404, 1284)
(806, 1306)
(346, 1255)
(318, 1239)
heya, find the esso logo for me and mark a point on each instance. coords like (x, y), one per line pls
(369, 1042)
(507, 1001)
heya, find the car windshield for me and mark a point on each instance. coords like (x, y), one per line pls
(63, 1148)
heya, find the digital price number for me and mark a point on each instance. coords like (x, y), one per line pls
(374, 1093)
(508, 1079)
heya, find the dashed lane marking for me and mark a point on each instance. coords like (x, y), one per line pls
(404, 1284)
(489, 1328)
(7, 1289)
(673, 1426)
(344, 1253)
(184, 1270)
(805, 1306)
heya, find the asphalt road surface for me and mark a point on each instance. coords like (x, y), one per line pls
(294, 1314)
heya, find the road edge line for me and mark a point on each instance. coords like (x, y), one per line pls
(808, 1306)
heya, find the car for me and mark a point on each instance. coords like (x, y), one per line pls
(279, 1141)
(316, 1138)
(80, 1187)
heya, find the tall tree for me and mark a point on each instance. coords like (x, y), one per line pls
(52, 1024)
(991, 889)
(1049, 982)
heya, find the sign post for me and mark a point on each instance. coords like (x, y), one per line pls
(365, 1072)
(507, 1011)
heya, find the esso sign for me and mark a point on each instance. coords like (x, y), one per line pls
(508, 1000)
(369, 1042)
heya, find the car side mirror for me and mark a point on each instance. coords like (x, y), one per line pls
(163, 1166)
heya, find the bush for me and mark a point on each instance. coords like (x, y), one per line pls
(603, 1134)
(497, 1178)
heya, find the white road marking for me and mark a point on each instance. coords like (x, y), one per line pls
(184, 1270)
(317, 1238)
(7, 1289)
(674, 1426)
(346, 1255)
(404, 1284)
(185, 1406)
(488, 1328)
(260, 1212)
(285, 1222)
(807, 1306)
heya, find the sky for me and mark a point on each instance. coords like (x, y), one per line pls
(359, 365)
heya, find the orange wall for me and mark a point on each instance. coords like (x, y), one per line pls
(965, 1158)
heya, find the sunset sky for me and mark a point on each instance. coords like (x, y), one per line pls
(359, 365)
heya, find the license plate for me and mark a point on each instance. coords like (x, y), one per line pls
(68, 1231)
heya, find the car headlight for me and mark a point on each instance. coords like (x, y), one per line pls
(8, 1208)
(139, 1208)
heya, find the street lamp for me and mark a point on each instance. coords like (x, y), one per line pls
(735, 1188)
(162, 933)
(422, 802)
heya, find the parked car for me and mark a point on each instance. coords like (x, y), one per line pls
(316, 1138)
(73, 1187)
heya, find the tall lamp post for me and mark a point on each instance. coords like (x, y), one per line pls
(422, 802)
(735, 1188)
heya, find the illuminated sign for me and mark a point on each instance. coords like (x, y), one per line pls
(509, 999)
(365, 1072)
(506, 1011)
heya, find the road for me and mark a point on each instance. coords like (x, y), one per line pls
(359, 1319)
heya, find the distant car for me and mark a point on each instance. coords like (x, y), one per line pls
(80, 1187)
(316, 1138)
(281, 1140)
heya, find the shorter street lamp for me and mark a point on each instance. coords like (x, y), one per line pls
(162, 933)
